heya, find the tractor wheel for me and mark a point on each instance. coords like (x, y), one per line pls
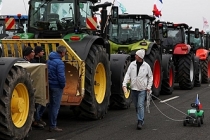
(118, 99)
(17, 105)
(197, 72)
(205, 70)
(97, 85)
(186, 74)
(154, 60)
(168, 76)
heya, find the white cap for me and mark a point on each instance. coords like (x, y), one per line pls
(141, 53)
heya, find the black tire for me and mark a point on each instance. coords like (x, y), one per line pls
(118, 99)
(186, 73)
(167, 87)
(199, 121)
(198, 80)
(205, 70)
(90, 108)
(202, 117)
(154, 58)
(15, 125)
(184, 123)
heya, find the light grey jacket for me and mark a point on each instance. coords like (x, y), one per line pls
(144, 79)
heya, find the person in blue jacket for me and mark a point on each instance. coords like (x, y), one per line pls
(57, 80)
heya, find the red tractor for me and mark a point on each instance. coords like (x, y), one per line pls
(201, 44)
(176, 41)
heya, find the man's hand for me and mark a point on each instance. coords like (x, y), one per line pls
(124, 89)
(148, 90)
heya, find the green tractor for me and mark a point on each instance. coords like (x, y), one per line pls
(88, 59)
(134, 32)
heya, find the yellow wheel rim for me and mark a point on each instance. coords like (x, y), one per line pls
(19, 105)
(100, 83)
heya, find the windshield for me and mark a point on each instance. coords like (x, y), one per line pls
(195, 42)
(174, 37)
(128, 31)
(57, 14)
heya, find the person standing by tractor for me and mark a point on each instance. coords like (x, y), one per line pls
(28, 54)
(57, 80)
(40, 109)
(140, 76)
(39, 53)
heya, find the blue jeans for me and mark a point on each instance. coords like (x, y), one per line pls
(138, 100)
(40, 109)
(54, 105)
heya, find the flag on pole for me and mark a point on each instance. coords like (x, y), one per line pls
(158, 5)
(205, 24)
(197, 101)
(121, 6)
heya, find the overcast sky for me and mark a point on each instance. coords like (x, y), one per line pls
(188, 11)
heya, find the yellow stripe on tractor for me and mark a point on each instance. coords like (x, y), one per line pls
(74, 66)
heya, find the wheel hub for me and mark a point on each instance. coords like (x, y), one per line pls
(17, 105)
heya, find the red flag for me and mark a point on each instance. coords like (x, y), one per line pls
(157, 8)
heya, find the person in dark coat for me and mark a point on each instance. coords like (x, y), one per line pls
(39, 53)
(40, 109)
(57, 81)
(28, 54)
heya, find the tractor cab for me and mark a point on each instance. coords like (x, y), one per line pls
(196, 40)
(172, 34)
(56, 18)
(130, 29)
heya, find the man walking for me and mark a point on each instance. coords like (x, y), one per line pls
(56, 75)
(140, 76)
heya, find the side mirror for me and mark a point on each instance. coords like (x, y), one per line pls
(165, 31)
(196, 33)
(114, 15)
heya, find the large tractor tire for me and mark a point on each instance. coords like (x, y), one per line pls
(119, 66)
(205, 70)
(186, 71)
(198, 80)
(167, 87)
(97, 85)
(17, 105)
(154, 60)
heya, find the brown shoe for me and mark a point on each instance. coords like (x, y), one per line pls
(56, 129)
(37, 125)
(42, 122)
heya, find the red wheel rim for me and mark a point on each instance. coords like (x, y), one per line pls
(170, 77)
(156, 74)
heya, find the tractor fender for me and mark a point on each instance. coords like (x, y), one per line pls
(166, 58)
(182, 49)
(6, 64)
(151, 45)
(117, 66)
(202, 53)
(81, 48)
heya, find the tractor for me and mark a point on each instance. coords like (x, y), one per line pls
(200, 43)
(88, 59)
(176, 42)
(137, 31)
